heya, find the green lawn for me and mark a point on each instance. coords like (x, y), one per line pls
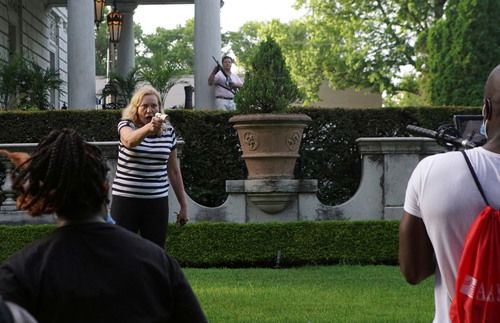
(311, 294)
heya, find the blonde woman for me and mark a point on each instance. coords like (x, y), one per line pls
(146, 168)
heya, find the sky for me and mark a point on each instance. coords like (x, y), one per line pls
(234, 13)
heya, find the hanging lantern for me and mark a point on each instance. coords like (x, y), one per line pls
(109, 96)
(98, 12)
(114, 21)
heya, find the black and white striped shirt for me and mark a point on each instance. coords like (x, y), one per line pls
(141, 172)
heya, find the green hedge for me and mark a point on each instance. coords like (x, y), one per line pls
(24, 126)
(329, 152)
(257, 244)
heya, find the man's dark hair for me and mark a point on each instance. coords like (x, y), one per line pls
(226, 57)
(64, 175)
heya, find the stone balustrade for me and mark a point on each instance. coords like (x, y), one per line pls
(387, 164)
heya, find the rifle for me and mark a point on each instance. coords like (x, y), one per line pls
(448, 140)
(229, 82)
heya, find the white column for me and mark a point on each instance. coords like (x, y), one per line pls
(126, 47)
(81, 55)
(207, 43)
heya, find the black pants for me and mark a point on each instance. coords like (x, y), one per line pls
(149, 217)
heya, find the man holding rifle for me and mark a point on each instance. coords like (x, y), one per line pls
(442, 201)
(226, 84)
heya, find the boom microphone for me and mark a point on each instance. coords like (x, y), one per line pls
(441, 136)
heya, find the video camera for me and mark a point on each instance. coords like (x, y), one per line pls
(463, 133)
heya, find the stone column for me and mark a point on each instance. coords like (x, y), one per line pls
(9, 204)
(126, 47)
(81, 55)
(207, 43)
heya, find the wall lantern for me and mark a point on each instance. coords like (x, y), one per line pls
(98, 12)
(114, 21)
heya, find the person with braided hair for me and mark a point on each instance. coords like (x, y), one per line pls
(87, 270)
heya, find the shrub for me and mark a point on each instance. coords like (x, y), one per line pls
(258, 244)
(268, 86)
(25, 85)
(329, 151)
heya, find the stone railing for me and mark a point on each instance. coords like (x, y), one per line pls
(387, 164)
(8, 212)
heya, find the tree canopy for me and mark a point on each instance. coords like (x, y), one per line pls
(462, 50)
(411, 50)
(366, 43)
(101, 49)
(176, 46)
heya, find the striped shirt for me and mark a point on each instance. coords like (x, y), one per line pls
(141, 171)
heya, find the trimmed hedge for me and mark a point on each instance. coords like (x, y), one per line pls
(329, 151)
(31, 126)
(257, 244)
(211, 153)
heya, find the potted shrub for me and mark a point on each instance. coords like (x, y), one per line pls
(269, 137)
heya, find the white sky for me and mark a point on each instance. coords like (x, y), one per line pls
(234, 13)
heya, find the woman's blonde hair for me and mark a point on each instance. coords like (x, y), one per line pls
(130, 112)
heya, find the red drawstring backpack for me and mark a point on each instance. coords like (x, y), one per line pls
(477, 289)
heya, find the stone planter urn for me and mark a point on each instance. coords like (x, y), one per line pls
(270, 143)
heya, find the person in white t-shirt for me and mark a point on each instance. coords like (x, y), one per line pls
(442, 201)
(225, 87)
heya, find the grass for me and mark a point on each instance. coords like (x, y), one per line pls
(311, 294)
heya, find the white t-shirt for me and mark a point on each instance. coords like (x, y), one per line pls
(442, 192)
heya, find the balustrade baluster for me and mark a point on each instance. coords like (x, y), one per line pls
(9, 204)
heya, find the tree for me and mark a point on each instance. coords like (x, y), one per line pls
(364, 43)
(124, 86)
(293, 41)
(462, 49)
(101, 46)
(160, 74)
(243, 42)
(176, 46)
(292, 37)
(268, 85)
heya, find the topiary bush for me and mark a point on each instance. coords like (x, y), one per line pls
(268, 86)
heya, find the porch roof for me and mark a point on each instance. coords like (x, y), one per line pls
(63, 3)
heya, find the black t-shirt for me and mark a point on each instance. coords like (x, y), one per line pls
(98, 272)
(5, 314)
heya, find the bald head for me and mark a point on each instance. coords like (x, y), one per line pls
(491, 110)
(492, 87)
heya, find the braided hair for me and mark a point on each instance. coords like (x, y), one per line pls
(64, 175)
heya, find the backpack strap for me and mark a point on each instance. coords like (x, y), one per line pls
(473, 173)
